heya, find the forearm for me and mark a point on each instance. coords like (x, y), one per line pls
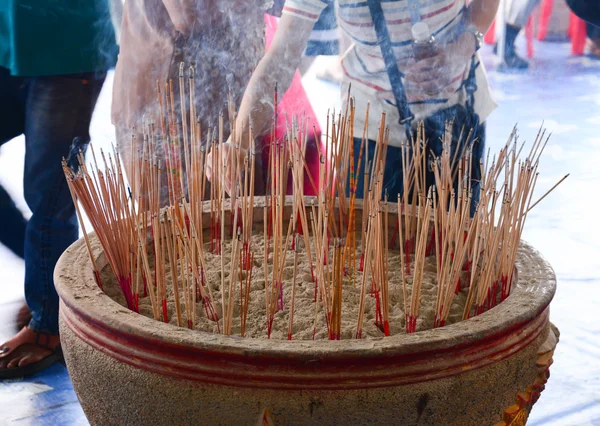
(258, 104)
(275, 70)
(481, 14)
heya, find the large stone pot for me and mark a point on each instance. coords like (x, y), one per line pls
(131, 370)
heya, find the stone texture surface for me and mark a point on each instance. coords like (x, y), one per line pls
(115, 393)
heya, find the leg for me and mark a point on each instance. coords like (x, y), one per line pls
(477, 156)
(58, 110)
(392, 175)
(12, 106)
(518, 16)
(12, 231)
(12, 124)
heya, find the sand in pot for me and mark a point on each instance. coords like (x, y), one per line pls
(304, 311)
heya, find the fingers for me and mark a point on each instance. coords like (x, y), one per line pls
(232, 162)
(208, 167)
(425, 90)
(428, 64)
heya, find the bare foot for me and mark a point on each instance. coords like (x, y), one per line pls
(26, 348)
(23, 317)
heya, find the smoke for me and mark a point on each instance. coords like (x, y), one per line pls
(105, 45)
(222, 40)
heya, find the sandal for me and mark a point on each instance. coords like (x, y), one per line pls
(28, 343)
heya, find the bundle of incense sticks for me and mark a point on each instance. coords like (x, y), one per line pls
(474, 247)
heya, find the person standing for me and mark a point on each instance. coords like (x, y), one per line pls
(385, 74)
(53, 61)
(223, 43)
(518, 13)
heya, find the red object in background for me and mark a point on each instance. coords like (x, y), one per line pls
(529, 37)
(490, 36)
(544, 21)
(295, 103)
(578, 33)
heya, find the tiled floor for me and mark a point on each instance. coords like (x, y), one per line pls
(562, 91)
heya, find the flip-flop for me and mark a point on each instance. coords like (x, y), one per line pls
(55, 355)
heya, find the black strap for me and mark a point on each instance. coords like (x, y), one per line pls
(383, 39)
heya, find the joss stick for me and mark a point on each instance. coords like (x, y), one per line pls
(213, 195)
(247, 295)
(402, 270)
(222, 239)
(184, 124)
(423, 227)
(157, 253)
(291, 321)
(148, 274)
(163, 274)
(318, 265)
(384, 281)
(266, 267)
(242, 292)
(361, 306)
(85, 234)
(283, 255)
(160, 110)
(170, 234)
(547, 193)
(184, 280)
(336, 309)
(230, 298)
(475, 265)
(207, 300)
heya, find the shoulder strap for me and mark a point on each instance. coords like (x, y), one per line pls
(391, 65)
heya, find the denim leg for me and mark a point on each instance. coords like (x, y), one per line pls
(12, 231)
(12, 106)
(392, 175)
(12, 124)
(58, 109)
(393, 179)
(477, 157)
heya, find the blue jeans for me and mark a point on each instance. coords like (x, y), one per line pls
(392, 177)
(13, 225)
(52, 112)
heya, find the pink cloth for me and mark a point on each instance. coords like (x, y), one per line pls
(295, 102)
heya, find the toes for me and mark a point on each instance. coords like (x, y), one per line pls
(13, 363)
(28, 359)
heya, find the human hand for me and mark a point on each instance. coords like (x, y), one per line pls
(229, 162)
(435, 75)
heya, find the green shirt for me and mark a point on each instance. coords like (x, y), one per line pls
(52, 37)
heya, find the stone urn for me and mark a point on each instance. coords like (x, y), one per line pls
(128, 369)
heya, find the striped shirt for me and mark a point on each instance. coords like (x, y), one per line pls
(364, 67)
